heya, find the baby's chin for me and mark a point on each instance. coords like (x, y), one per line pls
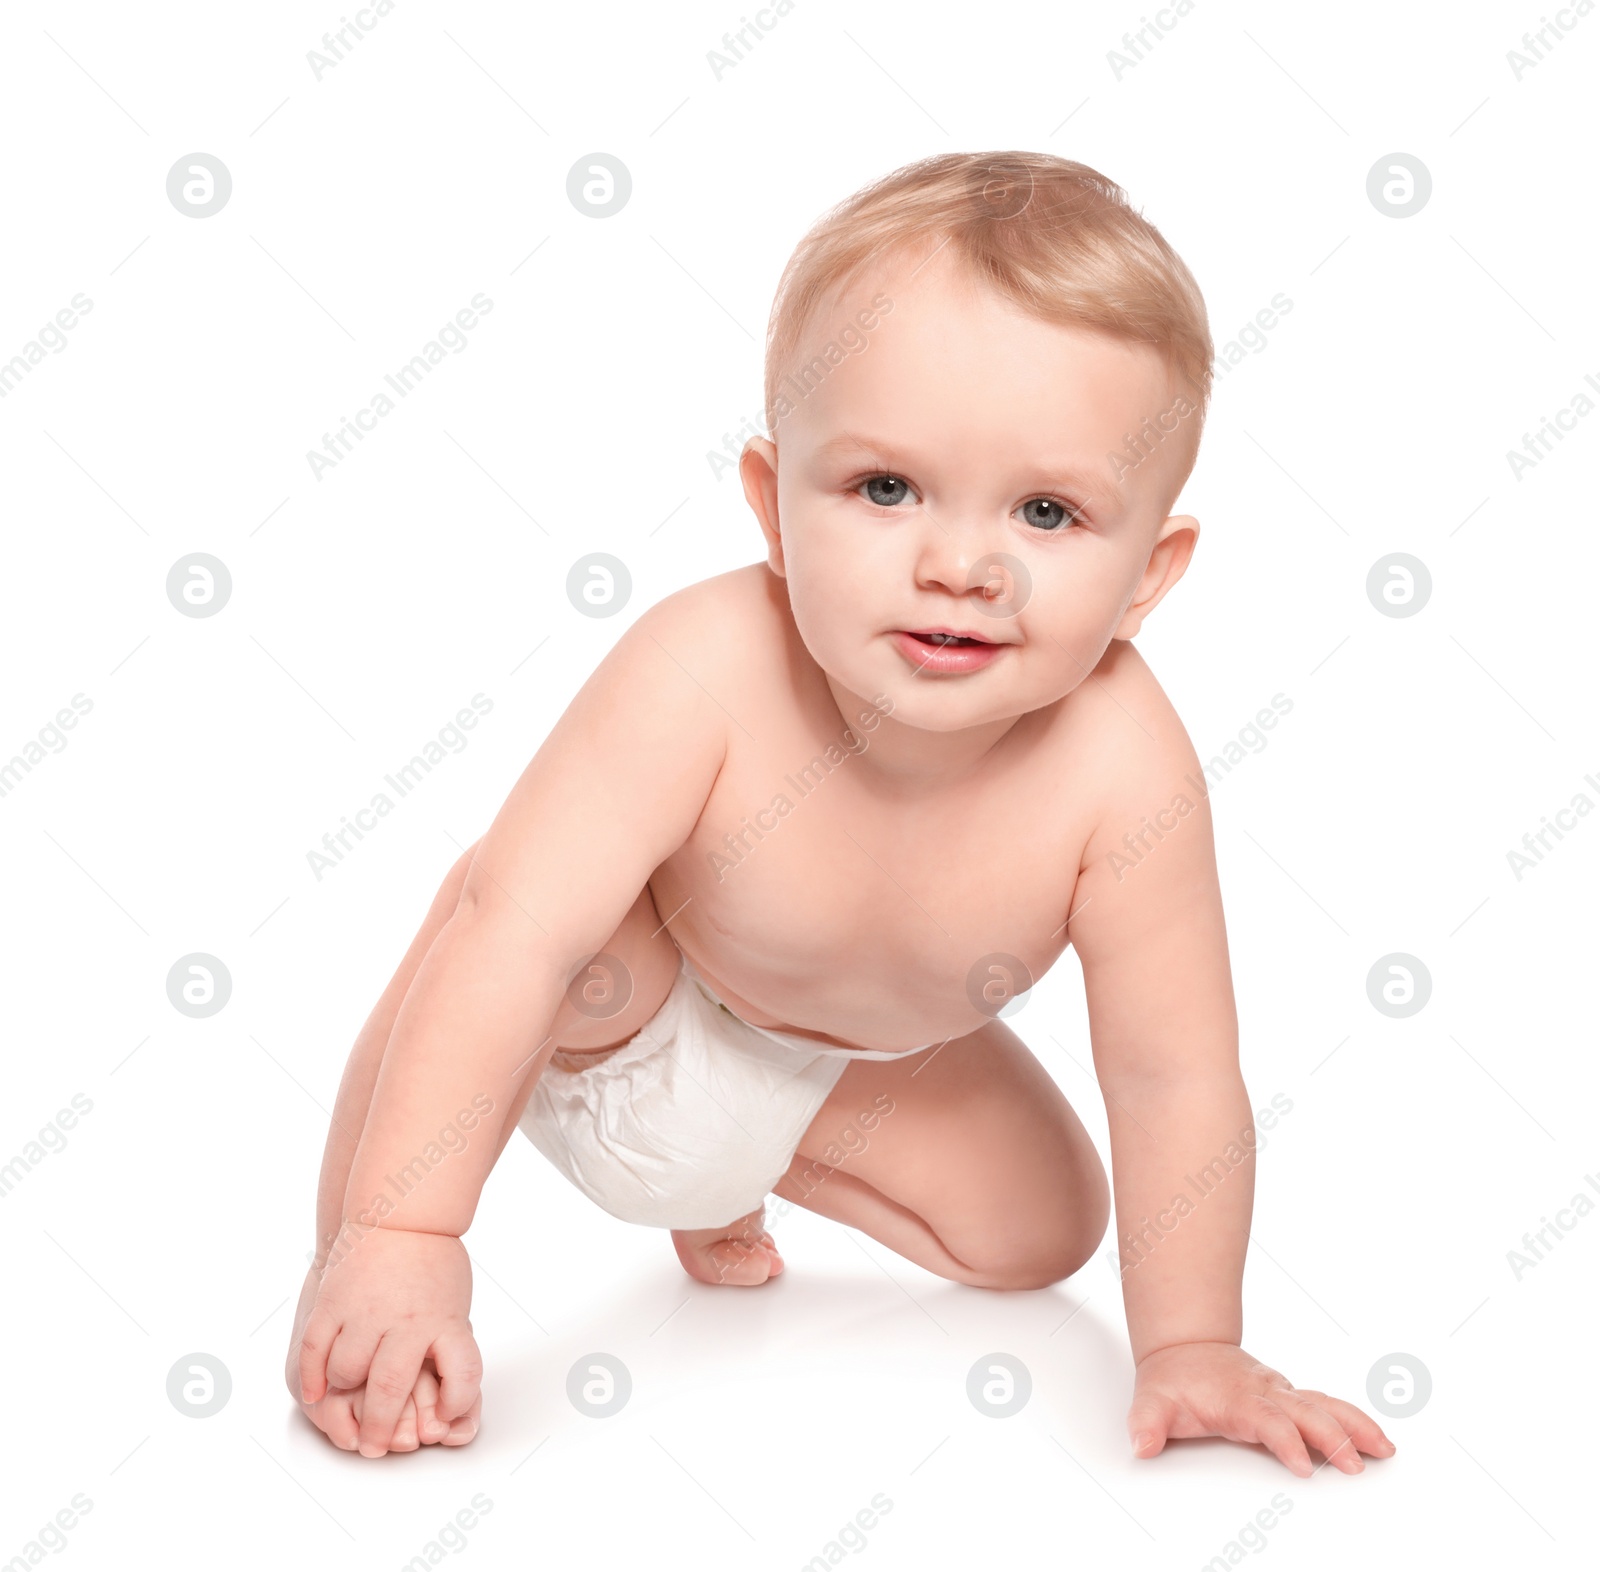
(945, 704)
(938, 712)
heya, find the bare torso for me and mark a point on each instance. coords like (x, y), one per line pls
(856, 911)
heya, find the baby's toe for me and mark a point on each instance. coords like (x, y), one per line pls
(735, 1261)
(741, 1253)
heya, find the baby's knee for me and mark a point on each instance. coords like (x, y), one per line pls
(1043, 1262)
(1056, 1246)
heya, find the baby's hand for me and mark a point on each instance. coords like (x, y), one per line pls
(393, 1301)
(1216, 1389)
(338, 1415)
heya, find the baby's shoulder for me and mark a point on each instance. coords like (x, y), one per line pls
(1127, 706)
(1122, 719)
(730, 625)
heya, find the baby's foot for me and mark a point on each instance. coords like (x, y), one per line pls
(338, 1415)
(741, 1253)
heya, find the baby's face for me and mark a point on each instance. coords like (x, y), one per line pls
(957, 474)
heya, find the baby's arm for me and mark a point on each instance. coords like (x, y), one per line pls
(338, 1413)
(616, 788)
(1149, 933)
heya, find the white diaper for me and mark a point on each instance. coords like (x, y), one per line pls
(691, 1122)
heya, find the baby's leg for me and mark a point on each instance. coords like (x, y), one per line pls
(981, 1172)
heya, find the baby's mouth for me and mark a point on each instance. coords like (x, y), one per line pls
(939, 640)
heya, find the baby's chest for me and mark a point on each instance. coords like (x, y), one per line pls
(813, 865)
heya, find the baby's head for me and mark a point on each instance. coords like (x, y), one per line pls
(986, 378)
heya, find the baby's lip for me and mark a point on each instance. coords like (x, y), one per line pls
(954, 633)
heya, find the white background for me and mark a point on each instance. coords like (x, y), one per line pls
(367, 208)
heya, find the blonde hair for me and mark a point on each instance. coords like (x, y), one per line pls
(1055, 237)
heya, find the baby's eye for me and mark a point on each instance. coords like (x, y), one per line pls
(1047, 514)
(886, 490)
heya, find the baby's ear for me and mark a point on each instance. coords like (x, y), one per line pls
(1169, 557)
(758, 469)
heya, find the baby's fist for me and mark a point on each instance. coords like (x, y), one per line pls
(390, 1301)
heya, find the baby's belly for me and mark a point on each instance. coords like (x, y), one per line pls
(853, 996)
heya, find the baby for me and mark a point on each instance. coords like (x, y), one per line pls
(750, 919)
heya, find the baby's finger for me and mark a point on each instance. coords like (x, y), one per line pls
(460, 1367)
(1150, 1422)
(389, 1382)
(406, 1438)
(333, 1414)
(1362, 1428)
(462, 1430)
(350, 1357)
(1263, 1421)
(315, 1342)
(425, 1394)
(1321, 1429)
